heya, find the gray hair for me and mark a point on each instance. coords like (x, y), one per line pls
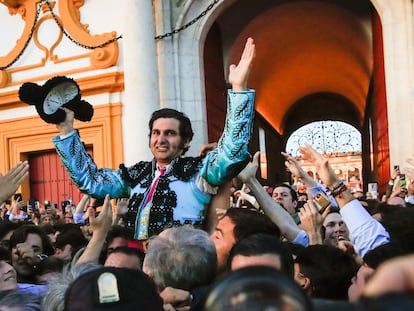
(55, 296)
(181, 257)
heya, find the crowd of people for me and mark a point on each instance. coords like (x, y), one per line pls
(166, 237)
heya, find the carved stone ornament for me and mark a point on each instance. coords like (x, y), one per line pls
(103, 49)
(12, 3)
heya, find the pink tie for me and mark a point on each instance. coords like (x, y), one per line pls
(142, 225)
(155, 183)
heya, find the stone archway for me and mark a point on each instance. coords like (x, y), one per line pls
(188, 48)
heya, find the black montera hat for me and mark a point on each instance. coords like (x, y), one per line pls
(57, 92)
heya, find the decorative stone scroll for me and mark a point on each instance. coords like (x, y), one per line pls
(104, 47)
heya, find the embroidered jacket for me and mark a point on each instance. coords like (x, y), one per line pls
(183, 192)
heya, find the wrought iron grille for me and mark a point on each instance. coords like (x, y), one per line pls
(328, 137)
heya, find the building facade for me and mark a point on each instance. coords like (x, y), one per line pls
(326, 59)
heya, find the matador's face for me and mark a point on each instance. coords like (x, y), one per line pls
(166, 142)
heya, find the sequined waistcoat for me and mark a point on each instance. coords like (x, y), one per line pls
(164, 199)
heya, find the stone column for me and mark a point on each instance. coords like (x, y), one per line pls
(141, 95)
(397, 28)
(166, 55)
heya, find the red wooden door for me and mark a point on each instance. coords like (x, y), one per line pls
(49, 180)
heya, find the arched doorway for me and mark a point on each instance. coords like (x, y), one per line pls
(317, 60)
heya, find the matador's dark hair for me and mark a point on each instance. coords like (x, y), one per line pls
(186, 131)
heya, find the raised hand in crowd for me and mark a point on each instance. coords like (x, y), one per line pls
(82, 205)
(243, 196)
(395, 173)
(398, 191)
(80, 214)
(366, 233)
(40, 207)
(13, 179)
(16, 206)
(120, 210)
(248, 174)
(272, 209)
(326, 173)
(311, 221)
(293, 166)
(16, 212)
(219, 202)
(100, 226)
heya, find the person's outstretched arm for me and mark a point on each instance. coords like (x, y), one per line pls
(366, 233)
(312, 187)
(296, 170)
(272, 209)
(231, 154)
(218, 206)
(238, 75)
(80, 210)
(81, 167)
(100, 227)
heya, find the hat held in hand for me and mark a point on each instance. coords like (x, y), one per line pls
(57, 92)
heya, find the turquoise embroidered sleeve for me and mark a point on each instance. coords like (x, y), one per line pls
(84, 172)
(231, 154)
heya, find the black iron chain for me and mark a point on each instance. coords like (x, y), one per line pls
(40, 4)
(89, 47)
(202, 14)
(159, 37)
(28, 39)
